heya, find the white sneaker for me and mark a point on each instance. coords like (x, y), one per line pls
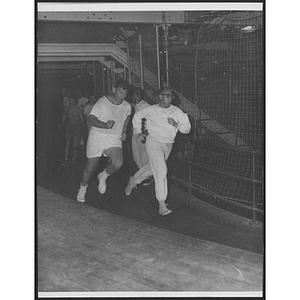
(131, 185)
(81, 193)
(163, 210)
(102, 183)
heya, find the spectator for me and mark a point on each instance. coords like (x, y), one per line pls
(82, 101)
(74, 118)
(86, 112)
(66, 99)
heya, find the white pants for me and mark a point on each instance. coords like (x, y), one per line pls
(158, 154)
(139, 151)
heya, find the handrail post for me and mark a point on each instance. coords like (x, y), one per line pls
(189, 168)
(167, 54)
(128, 63)
(141, 62)
(103, 79)
(95, 79)
(157, 57)
(254, 222)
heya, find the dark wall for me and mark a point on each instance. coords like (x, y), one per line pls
(49, 110)
(74, 32)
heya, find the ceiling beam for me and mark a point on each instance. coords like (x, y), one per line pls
(159, 6)
(77, 51)
(170, 17)
(172, 13)
(69, 65)
(72, 59)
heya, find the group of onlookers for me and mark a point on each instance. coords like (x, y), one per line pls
(76, 110)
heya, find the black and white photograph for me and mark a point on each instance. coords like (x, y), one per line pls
(150, 149)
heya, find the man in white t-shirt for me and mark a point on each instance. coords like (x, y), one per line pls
(108, 119)
(164, 120)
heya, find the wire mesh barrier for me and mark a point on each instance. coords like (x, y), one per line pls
(216, 68)
(228, 174)
(219, 68)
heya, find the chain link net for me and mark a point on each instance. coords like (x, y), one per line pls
(216, 69)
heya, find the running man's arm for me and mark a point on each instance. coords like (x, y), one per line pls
(93, 121)
(183, 125)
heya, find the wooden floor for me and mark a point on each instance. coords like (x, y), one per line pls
(82, 249)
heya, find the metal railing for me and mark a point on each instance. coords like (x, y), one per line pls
(248, 172)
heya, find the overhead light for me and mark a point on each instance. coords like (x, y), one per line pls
(249, 29)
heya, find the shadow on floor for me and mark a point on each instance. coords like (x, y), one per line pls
(203, 221)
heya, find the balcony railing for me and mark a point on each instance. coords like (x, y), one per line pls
(230, 175)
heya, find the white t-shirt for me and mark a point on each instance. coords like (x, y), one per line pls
(157, 122)
(104, 110)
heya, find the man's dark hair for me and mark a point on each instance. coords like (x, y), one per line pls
(122, 83)
(139, 92)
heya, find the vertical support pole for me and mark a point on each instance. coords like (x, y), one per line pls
(253, 189)
(231, 102)
(190, 168)
(124, 73)
(128, 63)
(196, 85)
(103, 78)
(167, 54)
(113, 75)
(141, 62)
(95, 80)
(262, 187)
(109, 79)
(201, 30)
(180, 75)
(85, 79)
(157, 56)
(230, 74)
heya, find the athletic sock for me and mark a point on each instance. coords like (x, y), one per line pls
(83, 186)
(105, 174)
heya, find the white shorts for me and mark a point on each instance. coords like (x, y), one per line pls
(98, 142)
